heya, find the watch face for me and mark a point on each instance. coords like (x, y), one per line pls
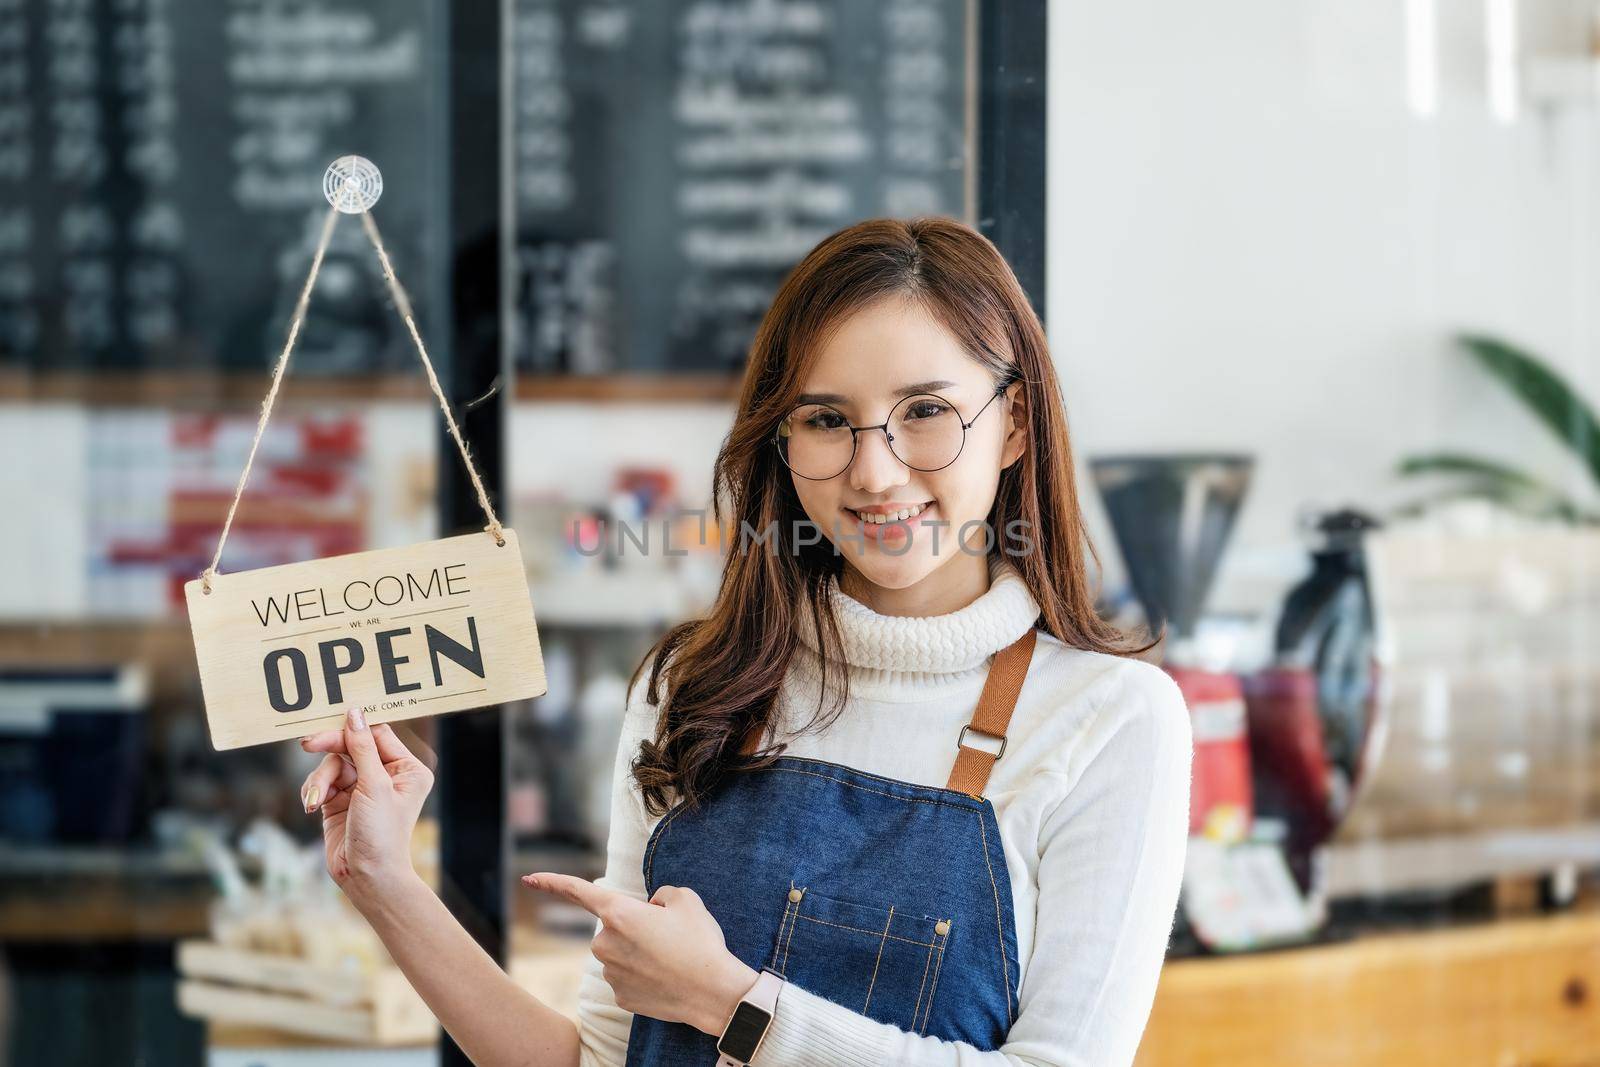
(744, 1032)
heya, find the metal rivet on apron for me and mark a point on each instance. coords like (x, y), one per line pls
(796, 894)
(941, 927)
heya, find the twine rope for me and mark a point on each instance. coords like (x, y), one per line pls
(403, 305)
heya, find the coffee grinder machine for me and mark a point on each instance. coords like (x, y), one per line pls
(1172, 515)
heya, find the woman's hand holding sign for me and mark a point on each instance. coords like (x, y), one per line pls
(370, 789)
(666, 959)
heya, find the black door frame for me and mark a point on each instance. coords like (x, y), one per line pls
(470, 786)
(1011, 136)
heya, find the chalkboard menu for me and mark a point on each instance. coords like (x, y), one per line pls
(675, 158)
(160, 166)
(160, 179)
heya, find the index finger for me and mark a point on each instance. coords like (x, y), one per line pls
(390, 747)
(580, 891)
(322, 739)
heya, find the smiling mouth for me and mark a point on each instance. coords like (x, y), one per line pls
(887, 518)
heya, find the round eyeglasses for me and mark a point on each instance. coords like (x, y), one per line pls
(924, 431)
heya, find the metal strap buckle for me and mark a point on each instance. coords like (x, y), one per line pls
(962, 737)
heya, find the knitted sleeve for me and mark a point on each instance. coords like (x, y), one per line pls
(602, 1026)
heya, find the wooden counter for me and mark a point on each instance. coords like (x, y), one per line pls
(1509, 993)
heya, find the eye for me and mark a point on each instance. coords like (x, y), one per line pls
(926, 408)
(825, 419)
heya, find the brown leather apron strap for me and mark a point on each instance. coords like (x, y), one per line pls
(970, 774)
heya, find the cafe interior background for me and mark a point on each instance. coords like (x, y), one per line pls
(1320, 280)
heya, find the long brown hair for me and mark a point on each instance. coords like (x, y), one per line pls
(726, 669)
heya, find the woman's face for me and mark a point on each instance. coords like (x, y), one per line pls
(895, 525)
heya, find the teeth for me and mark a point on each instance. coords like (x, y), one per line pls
(884, 518)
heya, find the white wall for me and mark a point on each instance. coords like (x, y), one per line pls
(44, 536)
(574, 449)
(1256, 246)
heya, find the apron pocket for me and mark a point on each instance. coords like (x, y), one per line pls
(881, 961)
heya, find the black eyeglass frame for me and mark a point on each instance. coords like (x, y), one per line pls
(855, 431)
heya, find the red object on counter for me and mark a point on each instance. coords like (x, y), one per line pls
(1221, 804)
(654, 486)
(1286, 738)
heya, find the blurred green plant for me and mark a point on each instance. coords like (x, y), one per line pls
(1552, 401)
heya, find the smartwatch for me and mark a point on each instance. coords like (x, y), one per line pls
(741, 1038)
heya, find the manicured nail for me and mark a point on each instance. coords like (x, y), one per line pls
(311, 799)
(357, 718)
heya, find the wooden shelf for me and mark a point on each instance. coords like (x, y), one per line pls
(205, 389)
(198, 389)
(93, 640)
(101, 893)
(162, 646)
(631, 388)
(78, 641)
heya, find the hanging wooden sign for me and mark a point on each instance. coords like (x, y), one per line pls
(441, 626)
(401, 632)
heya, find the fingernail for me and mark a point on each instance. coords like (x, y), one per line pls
(310, 799)
(357, 718)
(531, 881)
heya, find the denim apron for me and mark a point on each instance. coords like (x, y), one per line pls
(889, 898)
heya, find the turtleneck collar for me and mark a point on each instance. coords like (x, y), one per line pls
(893, 653)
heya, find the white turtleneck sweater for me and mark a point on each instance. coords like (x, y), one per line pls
(1092, 799)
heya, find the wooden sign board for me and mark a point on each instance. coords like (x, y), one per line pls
(402, 632)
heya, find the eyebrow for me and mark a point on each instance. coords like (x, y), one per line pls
(903, 391)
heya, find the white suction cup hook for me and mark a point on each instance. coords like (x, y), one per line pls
(352, 184)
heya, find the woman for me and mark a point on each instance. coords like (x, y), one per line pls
(902, 796)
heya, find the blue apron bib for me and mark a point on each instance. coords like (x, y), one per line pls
(889, 898)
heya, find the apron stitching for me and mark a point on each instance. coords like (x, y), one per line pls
(795, 921)
(916, 1009)
(880, 792)
(928, 1016)
(777, 942)
(661, 828)
(999, 921)
(785, 931)
(772, 961)
(655, 839)
(879, 961)
(870, 933)
(879, 778)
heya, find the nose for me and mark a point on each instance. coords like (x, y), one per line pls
(875, 467)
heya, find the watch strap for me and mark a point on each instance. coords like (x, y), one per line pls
(764, 995)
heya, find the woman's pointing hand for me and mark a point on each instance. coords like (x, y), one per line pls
(665, 959)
